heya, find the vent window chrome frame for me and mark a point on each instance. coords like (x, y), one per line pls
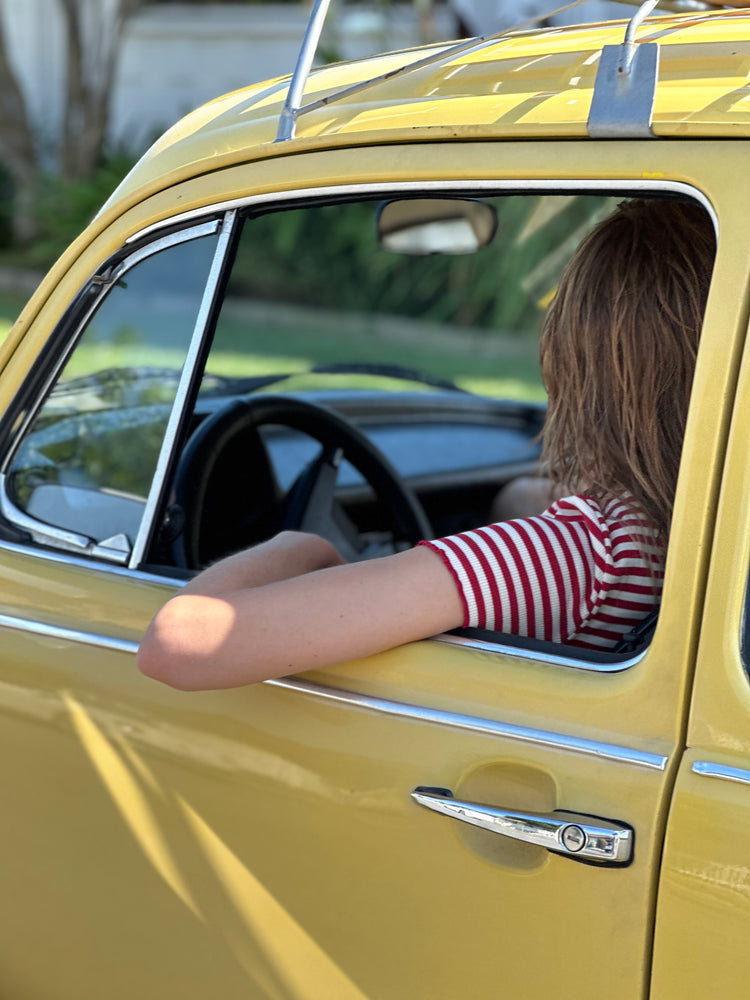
(116, 550)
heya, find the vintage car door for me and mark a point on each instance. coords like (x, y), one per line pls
(266, 841)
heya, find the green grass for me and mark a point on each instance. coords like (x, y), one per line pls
(273, 339)
(290, 340)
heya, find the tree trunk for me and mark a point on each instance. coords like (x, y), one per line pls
(17, 149)
(94, 31)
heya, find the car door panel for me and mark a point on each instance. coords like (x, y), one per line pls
(263, 842)
(269, 833)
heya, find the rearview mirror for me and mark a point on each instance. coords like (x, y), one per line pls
(422, 226)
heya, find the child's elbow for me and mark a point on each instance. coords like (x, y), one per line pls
(164, 654)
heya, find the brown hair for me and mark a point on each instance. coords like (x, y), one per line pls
(618, 353)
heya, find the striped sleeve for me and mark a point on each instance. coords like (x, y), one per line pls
(572, 570)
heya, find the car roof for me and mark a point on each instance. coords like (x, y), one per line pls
(535, 84)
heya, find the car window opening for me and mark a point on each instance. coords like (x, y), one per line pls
(388, 348)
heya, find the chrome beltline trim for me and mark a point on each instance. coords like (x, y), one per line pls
(517, 652)
(384, 706)
(68, 634)
(422, 187)
(709, 770)
(471, 723)
(79, 562)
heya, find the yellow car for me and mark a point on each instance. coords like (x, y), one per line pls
(315, 305)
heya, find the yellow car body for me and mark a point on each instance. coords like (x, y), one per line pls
(263, 842)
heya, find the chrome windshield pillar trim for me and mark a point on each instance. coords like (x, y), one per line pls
(102, 286)
(709, 770)
(187, 379)
(470, 723)
(67, 634)
(486, 186)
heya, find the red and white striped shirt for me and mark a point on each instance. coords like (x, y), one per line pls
(584, 572)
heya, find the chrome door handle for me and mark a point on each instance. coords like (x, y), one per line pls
(584, 838)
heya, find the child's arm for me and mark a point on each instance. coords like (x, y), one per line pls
(291, 605)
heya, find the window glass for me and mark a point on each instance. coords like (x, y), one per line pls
(312, 288)
(435, 356)
(88, 461)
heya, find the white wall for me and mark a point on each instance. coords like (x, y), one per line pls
(34, 35)
(177, 56)
(595, 10)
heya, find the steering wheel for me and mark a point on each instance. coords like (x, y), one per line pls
(228, 496)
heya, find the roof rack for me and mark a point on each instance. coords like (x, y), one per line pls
(629, 80)
(622, 104)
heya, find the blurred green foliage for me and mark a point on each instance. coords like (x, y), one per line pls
(63, 208)
(329, 258)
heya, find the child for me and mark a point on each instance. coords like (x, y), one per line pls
(618, 353)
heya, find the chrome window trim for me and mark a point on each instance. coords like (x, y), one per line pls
(496, 648)
(537, 656)
(522, 186)
(187, 379)
(487, 186)
(383, 706)
(519, 185)
(173, 239)
(68, 634)
(710, 770)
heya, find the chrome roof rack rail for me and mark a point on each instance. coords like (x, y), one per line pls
(293, 108)
(628, 78)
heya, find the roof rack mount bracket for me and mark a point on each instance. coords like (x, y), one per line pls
(622, 104)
